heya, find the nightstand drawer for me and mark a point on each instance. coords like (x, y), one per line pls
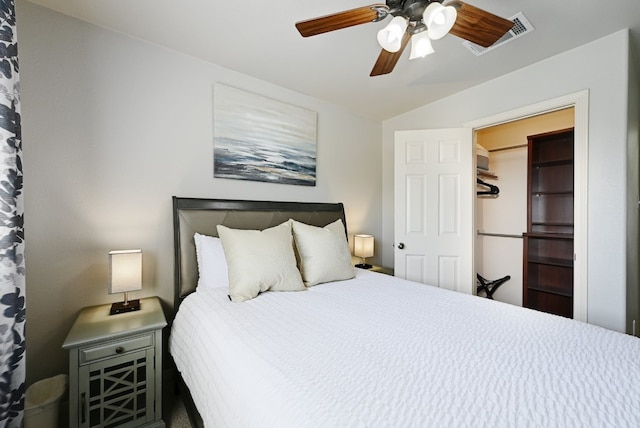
(88, 355)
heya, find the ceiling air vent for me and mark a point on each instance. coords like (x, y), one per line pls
(522, 26)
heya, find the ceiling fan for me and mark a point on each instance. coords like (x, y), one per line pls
(417, 20)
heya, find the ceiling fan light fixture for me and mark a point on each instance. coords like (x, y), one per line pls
(421, 45)
(411, 17)
(439, 19)
(390, 37)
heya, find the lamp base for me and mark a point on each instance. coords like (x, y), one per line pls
(364, 266)
(122, 307)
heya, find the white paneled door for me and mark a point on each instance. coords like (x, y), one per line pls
(434, 203)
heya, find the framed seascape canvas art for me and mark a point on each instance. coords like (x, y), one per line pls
(260, 139)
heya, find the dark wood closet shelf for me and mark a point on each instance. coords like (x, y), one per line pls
(552, 261)
(550, 223)
(552, 192)
(543, 235)
(553, 291)
(554, 162)
(548, 243)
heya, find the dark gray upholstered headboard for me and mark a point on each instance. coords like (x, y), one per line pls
(203, 215)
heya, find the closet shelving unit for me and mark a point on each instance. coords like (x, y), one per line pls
(548, 243)
(483, 173)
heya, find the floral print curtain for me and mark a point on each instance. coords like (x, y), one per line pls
(12, 275)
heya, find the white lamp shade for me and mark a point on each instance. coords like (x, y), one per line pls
(390, 37)
(439, 19)
(363, 246)
(421, 45)
(125, 271)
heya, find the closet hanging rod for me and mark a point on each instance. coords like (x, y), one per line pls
(499, 235)
(517, 146)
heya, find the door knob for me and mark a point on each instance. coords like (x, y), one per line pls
(400, 246)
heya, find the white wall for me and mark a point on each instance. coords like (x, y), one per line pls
(633, 197)
(507, 214)
(112, 128)
(600, 67)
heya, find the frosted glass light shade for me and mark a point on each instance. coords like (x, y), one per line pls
(125, 271)
(390, 37)
(363, 246)
(439, 19)
(421, 45)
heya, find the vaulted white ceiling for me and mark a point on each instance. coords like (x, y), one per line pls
(258, 38)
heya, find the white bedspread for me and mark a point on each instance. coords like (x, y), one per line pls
(378, 351)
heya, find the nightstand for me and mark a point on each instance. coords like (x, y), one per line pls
(115, 367)
(381, 269)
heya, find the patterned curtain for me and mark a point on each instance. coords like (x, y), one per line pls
(12, 278)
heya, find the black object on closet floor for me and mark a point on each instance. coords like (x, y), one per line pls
(490, 287)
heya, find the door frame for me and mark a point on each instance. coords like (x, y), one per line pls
(580, 102)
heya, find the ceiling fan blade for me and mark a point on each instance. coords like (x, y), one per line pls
(387, 60)
(478, 25)
(337, 21)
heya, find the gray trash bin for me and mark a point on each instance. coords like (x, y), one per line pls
(42, 401)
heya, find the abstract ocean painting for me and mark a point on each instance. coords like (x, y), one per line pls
(260, 139)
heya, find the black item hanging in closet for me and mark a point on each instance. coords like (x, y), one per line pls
(492, 190)
(489, 287)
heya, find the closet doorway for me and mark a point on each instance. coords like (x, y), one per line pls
(501, 219)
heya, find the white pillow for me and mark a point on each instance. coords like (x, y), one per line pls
(212, 264)
(323, 252)
(259, 261)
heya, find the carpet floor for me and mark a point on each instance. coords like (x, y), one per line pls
(174, 411)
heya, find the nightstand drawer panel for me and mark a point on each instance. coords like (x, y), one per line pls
(88, 355)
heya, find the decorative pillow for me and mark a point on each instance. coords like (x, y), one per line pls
(323, 252)
(259, 261)
(212, 264)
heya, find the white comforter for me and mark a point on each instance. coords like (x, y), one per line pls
(378, 351)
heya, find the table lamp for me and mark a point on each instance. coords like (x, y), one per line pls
(363, 248)
(125, 274)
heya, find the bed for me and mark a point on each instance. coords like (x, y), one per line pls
(379, 351)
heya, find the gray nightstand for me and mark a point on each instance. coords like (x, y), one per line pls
(115, 367)
(381, 269)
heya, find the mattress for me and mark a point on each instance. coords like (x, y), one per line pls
(379, 351)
